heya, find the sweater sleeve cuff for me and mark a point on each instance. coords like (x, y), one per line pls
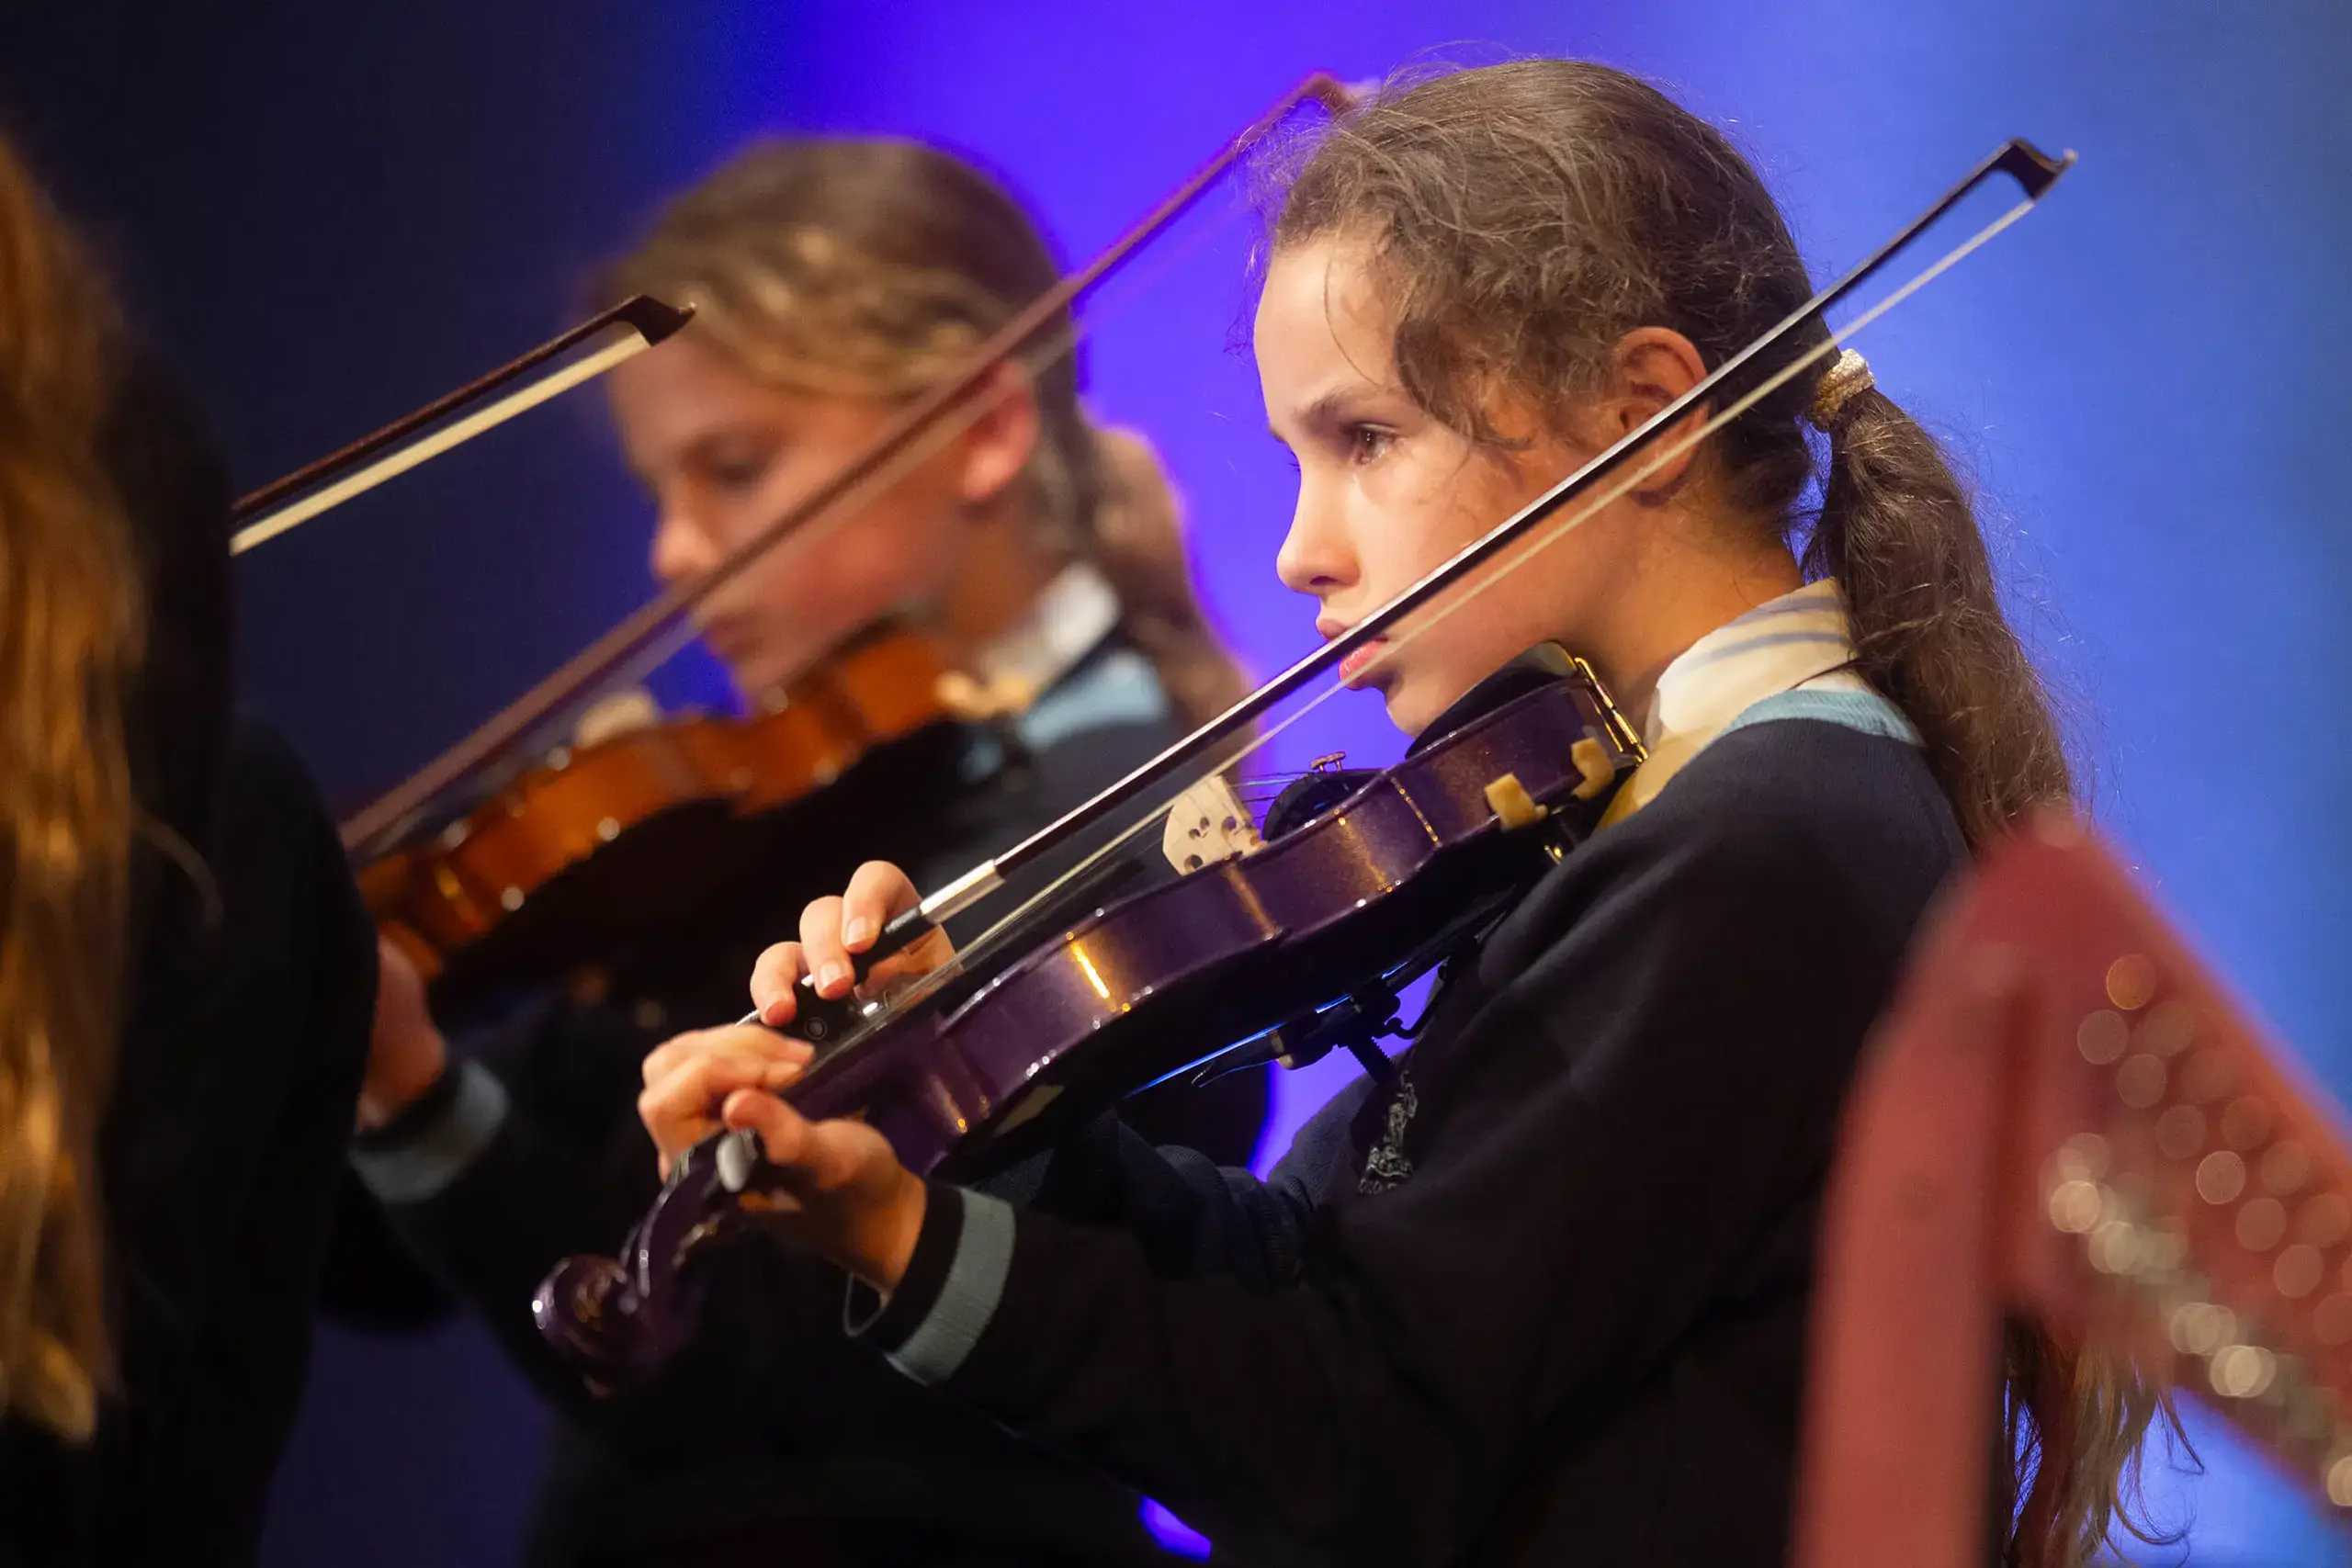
(421, 1153)
(952, 1284)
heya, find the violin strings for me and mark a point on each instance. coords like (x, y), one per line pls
(1014, 922)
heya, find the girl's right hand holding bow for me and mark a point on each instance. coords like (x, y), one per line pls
(690, 1082)
(831, 931)
(844, 1192)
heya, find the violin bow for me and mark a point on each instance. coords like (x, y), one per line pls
(643, 628)
(620, 334)
(1746, 378)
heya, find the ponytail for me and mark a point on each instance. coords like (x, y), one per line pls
(1897, 532)
(1134, 535)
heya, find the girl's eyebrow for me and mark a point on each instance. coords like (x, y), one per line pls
(1323, 411)
(720, 435)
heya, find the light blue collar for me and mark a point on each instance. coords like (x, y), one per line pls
(1866, 711)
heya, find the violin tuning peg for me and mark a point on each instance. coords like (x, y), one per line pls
(625, 712)
(1513, 807)
(1591, 759)
(964, 697)
(1012, 695)
(978, 702)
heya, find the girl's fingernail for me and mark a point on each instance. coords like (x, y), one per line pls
(774, 1012)
(833, 975)
(858, 932)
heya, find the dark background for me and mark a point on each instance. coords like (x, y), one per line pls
(327, 214)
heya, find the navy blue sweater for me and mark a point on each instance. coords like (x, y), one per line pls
(767, 1439)
(1544, 1301)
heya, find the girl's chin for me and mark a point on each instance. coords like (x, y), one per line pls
(759, 681)
(1415, 704)
(1405, 710)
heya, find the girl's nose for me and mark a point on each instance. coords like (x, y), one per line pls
(680, 549)
(1315, 557)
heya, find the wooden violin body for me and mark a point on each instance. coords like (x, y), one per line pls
(993, 1066)
(625, 833)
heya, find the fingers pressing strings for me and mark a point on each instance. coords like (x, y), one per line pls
(689, 1080)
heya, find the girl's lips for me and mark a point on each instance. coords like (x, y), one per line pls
(1353, 667)
(731, 633)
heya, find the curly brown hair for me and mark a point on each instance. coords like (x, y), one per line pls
(1519, 219)
(69, 630)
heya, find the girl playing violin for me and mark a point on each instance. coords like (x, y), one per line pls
(1539, 1295)
(833, 280)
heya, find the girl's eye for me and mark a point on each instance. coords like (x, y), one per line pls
(1369, 443)
(738, 473)
(735, 465)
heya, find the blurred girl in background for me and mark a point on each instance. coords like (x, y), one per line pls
(833, 281)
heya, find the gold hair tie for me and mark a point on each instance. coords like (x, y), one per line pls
(1848, 374)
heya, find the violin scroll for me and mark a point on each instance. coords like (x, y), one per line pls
(622, 1318)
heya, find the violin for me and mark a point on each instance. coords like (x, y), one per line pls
(1304, 936)
(628, 830)
(579, 855)
(1304, 941)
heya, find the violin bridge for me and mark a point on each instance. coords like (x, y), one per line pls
(1208, 824)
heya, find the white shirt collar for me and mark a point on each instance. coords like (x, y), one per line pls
(1800, 639)
(1078, 609)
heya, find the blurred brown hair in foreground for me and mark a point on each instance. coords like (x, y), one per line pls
(69, 640)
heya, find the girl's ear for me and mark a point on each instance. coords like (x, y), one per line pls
(999, 445)
(1650, 368)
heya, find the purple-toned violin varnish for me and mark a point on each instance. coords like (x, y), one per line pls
(1148, 983)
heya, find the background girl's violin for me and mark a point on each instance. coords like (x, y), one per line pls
(633, 828)
(628, 829)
